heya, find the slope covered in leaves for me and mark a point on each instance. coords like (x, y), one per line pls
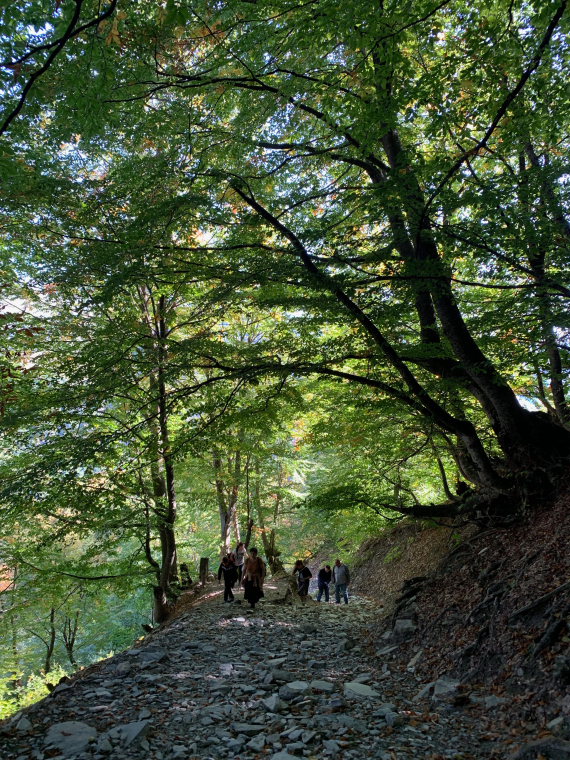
(495, 612)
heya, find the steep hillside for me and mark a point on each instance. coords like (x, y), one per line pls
(408, 550)
(492, 610)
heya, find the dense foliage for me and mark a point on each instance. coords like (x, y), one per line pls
(269, 269)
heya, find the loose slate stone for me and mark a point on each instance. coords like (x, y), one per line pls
(552, 749)
(353, 688)
(299, 687)
(129, 733)
(70, 737)
(23, 725)
(257, 743)
(318, 685)
(246, 728)
(274, 704)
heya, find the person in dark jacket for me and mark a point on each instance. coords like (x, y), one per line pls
(323, 579)
(229, 571)
(304, 576)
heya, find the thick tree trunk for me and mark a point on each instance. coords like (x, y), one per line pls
(518, 431)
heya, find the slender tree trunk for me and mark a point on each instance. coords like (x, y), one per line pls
(170, 564)
(161, 460)
(225, 517)
(443, 475)
(69, 636)
(50, 643)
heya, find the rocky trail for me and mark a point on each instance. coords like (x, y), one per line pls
(280, 682)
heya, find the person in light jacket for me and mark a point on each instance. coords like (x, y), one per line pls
(341, 579)
(240, 556)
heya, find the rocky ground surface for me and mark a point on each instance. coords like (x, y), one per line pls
(281, 682)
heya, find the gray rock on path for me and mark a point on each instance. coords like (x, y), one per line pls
(129, 734)
(356, 689)
(284, 756)
(274, 703)
(549, 749)
(411, 666)
(70, 737)
(23, 725)
(403, 629)
(319, 685)
(440, 689)
(257, 743)
(249, 729)
(393, 719)
(560, 726)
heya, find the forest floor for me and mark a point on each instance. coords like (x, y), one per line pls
(490, 614)
(281, 682)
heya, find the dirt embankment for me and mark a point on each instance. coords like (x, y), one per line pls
(410, 549)
(493, 610)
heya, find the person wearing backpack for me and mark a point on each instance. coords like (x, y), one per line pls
(304, 576)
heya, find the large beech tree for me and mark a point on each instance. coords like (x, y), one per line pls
(394, 171)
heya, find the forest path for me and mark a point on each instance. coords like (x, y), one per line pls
(221, 681)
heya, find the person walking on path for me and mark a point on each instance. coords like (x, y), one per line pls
(341, 579)
(253, 577)
(240, 555)
(229, 571)
(304, 576)
(323, 580)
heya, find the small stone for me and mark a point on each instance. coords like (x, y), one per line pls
(104, 745)
(403, 629)
(129, 733)
(393, 719)
(274, 703)
(294, 689)
(319, 685)
(411, 666)
(335, 705)
(257, 743)
(70, 737)
(250, 729)
(353, 688)
(493, 701)
(23, 725)
(560, 726)
(552, 749)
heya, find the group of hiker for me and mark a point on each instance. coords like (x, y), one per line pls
(339, 576)
(246, 568)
